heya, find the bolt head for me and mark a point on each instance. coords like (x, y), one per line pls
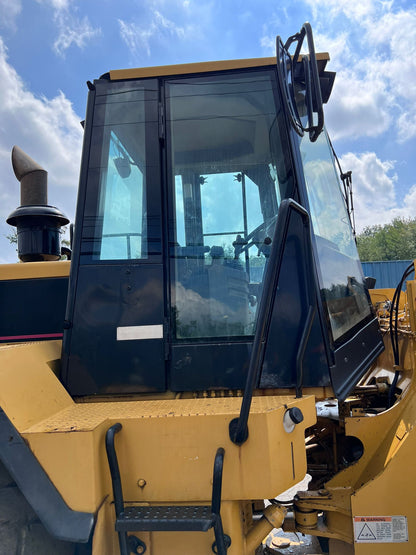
(323, 492)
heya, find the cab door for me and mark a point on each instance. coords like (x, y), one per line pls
(114, 341)
(229, 166)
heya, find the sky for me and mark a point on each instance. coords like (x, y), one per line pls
(50, 48)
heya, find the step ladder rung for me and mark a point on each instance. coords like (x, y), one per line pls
(165, 518)
(193, 518)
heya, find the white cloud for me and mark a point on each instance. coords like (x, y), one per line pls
(358, 107)
(59, 4)
(72, 30)
(374, 183)
(138, 37)
(56, 4)
(9, 10)
(409, 204)
(49, 131)
(268, 43)
(135, 37)
(162, 22)
(338, 48)
(395, 36)
(406, 126)
(272, 28)
(361, 101)
(354, 10)
(375, 62)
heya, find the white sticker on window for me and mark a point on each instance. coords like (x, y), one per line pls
(128, 333)
(380, 529)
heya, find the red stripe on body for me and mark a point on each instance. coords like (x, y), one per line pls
(36, 336)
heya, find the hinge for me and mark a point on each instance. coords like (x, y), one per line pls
(161, 122)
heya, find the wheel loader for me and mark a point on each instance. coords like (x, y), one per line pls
(210, 338)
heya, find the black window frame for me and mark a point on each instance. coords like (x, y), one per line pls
(103, 88)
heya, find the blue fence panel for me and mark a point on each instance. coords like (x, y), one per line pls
(387, 273)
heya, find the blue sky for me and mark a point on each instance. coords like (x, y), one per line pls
(50, 48)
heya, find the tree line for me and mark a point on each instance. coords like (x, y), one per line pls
(393, 241)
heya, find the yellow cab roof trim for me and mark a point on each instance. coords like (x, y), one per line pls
(34, 270)
(201, 67)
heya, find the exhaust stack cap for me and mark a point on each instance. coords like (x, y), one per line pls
(33, 179)
(38, 224)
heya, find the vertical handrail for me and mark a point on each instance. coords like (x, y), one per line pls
(116, 482)
(216, 501)
(238, 428)
(114, 469)
(217, 481)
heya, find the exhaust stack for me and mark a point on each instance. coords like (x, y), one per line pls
(38, 224)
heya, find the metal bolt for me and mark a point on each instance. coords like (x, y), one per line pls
(141, 482)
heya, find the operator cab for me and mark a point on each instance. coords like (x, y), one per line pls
(183, 174)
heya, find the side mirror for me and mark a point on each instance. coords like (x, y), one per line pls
(300, 80)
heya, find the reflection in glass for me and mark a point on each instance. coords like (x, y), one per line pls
(118, 224)
(229, 172)
(341, 278)
(122, 202)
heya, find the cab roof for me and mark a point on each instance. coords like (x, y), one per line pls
(202, 67)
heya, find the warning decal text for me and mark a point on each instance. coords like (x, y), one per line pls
(380, 529)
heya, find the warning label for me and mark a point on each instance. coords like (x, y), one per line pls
(380, 529)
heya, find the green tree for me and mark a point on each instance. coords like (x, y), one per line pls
(392, 241)
(12, 236)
